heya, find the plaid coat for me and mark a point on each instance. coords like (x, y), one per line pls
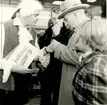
(11, 41)
(90, 81)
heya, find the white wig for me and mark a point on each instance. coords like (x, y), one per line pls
(28, 7)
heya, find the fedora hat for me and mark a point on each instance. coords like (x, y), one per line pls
(69, 6)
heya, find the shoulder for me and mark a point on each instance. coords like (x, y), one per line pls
(8, 22)
(98, 64)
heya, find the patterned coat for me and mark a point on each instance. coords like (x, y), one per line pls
(90, 81)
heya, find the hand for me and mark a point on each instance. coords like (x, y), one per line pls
(51, 47)
(37, 55)
(20, 69)
(85, 55)
(57, 27)
(35, 70)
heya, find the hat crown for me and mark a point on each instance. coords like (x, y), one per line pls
(69, 6)
(69, 3)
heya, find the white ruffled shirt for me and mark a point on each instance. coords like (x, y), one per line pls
(24, 34)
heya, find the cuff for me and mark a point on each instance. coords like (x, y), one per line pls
(58, 48)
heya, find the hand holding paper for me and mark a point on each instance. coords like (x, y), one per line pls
(19, 59)
(21, 69)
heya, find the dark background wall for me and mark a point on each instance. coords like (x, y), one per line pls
(17, 1)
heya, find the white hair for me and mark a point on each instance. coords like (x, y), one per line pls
(28, 7)
(94, 32)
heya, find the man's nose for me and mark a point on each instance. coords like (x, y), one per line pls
(36, 19)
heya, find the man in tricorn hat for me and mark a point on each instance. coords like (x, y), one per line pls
(73, 12)
(12, 33)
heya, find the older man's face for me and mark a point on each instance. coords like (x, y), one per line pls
(31, 19)
(70, 20)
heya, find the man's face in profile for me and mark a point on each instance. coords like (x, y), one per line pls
(32, 19)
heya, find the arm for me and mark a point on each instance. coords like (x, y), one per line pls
(66, 53)
(63, 52)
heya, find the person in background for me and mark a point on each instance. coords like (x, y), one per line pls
(90, 79)
(13, 32)
(97, 8)
(104, 10)
(73, 12)
(50, 76)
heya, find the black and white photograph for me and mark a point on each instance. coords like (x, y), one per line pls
(53, 52)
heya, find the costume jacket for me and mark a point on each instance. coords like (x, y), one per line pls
(11, 41)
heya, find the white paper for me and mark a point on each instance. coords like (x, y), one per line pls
(23, 54)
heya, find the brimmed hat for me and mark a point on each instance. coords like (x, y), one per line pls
(94, 2)
(69, 6)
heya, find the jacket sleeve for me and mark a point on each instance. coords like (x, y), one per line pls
(65, 54)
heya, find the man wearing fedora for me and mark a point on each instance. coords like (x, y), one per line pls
(73, 12)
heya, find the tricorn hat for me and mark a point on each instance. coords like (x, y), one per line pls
(69, 6)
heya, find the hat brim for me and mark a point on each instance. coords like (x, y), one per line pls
(80, 6)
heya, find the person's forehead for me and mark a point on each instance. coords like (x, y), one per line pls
(70, 14)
